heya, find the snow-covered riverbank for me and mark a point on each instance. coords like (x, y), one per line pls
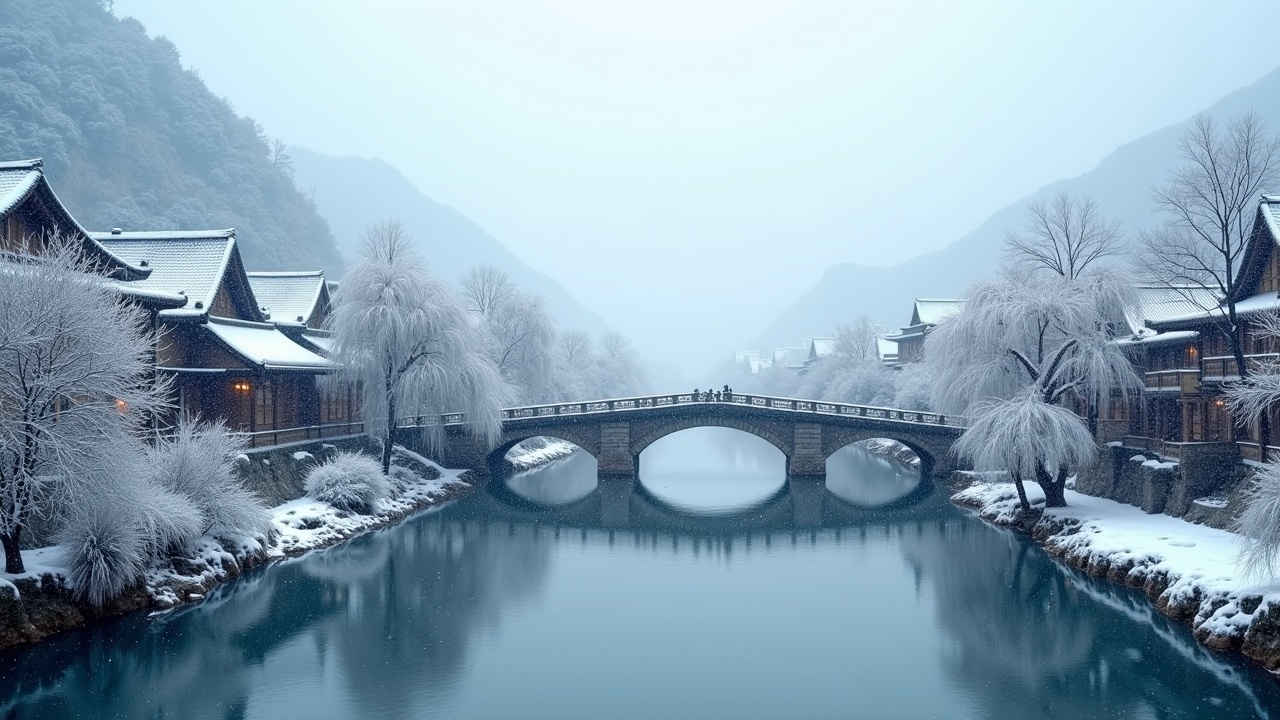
(40, 602)
(1189, 571)
(538, 451)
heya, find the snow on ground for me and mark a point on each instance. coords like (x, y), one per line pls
(303, 524)
(1189, 570)
(524, 456)
(306, 524)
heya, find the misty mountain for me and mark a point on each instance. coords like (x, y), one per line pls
(1121, 183)
(131, 139)
(352, 193)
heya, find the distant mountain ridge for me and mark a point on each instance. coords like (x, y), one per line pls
(353, 192)
(1121, 183)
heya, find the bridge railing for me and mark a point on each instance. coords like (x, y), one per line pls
(817, 407)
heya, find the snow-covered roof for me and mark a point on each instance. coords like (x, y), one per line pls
(790, 356)
(320, 340)
(1260, 303)
(288, 298)
(1155, 338)
(931, 311)
(189, 263)
(20, 179)
(821, 347)
(1158, 303)
(887, 349)
(263, 345)
(759, 364)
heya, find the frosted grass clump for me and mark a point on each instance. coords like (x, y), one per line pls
(105, 551)
(350, 481)
(198, 462)
(170, 523)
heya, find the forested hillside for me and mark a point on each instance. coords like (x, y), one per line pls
(131, 139)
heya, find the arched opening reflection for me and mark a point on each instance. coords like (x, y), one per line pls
(873, 473)
(550, 472)
(712, 470)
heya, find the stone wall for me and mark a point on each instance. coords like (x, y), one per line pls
(1207, 484)
(277, 473)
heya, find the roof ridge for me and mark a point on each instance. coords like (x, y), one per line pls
(284, 273)
(163, 235)
(30, 164)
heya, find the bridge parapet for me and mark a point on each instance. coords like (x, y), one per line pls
(631, 404)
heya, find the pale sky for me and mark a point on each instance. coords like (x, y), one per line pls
(688, 169)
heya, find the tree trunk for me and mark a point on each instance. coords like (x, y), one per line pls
(1022, 492)
(391, 432)
(13, 552)
(1055, 488)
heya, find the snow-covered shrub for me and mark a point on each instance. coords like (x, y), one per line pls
(350, 481)
(198, 462)
(169, 522)
(1259, 524)
(105, 551)
(401, 478)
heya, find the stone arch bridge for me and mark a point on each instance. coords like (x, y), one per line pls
(615, 432)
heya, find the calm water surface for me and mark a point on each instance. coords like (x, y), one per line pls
(711, 590)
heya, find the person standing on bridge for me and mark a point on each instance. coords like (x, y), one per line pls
(728, 394)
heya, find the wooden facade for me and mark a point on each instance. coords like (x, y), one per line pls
(227, 359)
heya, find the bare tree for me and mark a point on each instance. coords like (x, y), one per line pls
(485, 288)
(858, 340)
(280, 159)
(405, 339)
(1209, 204)
(1065, 236)
(614, 345)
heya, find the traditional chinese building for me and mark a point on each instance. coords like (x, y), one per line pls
(926, 313)
(254, 363)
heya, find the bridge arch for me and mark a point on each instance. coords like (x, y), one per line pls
(771, 434)
(836, 439)
(585, 438)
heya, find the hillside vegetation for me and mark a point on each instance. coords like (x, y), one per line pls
(131, 139)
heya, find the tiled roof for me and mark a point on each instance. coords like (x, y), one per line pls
(287, 297)
(1158, 303)
(931, 311)
(182, 263)
(17, 180)
(263, 345)
(822, 346)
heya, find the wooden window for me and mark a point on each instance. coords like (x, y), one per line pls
(264, 406)
(1271, 276)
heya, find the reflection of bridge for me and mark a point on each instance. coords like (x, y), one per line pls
(615, 432)
(623, 504)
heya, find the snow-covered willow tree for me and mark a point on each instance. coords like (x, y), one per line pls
(1250, 400)
(76, 385)
(519, 333)
(408, 342)
(1026, 338)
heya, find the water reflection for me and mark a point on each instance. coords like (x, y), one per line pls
(490, 610)
(712, 471)
(562, 482)
(866, 479)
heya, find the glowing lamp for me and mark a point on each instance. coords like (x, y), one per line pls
(240, 386)
(122, 407)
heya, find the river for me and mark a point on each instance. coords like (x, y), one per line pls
(718, 595)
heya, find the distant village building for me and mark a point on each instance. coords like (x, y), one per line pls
(926, 313)
(229, 355)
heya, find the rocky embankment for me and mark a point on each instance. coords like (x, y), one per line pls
(1187, 571)
(40, 603)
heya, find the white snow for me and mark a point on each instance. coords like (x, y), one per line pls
(301, 456)
(1201, 563)
(265, 345)
(522, 458)
(303, 524)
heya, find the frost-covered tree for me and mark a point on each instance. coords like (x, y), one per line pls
(408, 342)
(1208, 205)
(857, 340)
(1033, 337)
(1250, 400)
(520, 334)
(76, 381)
